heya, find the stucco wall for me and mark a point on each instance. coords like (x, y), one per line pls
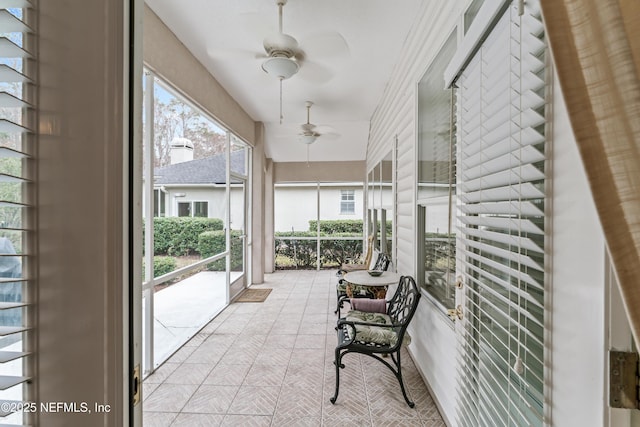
(216, 198)
(165, 55)
(295, 206)
(318, 171)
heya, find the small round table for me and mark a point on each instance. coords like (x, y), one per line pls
(376, 285)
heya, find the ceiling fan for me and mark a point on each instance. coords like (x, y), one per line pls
(281, 49)
(284, 57)
(310, 132)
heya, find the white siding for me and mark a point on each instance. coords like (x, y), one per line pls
(576, 350)
(433, 337)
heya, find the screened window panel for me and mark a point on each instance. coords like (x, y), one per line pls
(501, 195)
(16, 130)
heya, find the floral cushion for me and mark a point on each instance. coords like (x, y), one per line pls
(374, 334)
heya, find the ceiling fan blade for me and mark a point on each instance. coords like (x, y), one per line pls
(235, 54)
(329, 45)
(314, 72)
(324, 129)
(330, 135)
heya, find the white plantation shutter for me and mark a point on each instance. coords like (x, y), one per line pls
(16, 192)
(501, 193)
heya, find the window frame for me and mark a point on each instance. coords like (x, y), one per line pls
(345, 201)
(192, 208)
(444, 191)
(159, 203)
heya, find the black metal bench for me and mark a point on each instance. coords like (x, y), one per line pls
(377, 334)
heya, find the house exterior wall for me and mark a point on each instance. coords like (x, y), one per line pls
(434, 342)
(575, 317)
(296, 205)
(214, 196)
(351, 171)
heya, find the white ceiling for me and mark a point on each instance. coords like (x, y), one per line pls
(344, 85)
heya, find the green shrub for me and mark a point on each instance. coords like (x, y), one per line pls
(353, 226)
(303, 253)
(179, 235)
(213, 242)
(337, 226)
(161, 265)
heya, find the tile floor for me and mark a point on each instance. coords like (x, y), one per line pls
(271, 364)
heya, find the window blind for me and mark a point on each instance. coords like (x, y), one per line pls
(501, 193)
(16, 140)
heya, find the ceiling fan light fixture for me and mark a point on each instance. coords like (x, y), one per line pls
(308, 138)
(280, 67)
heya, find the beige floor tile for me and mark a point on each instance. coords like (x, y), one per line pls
(303, 376)
(147, 389)
(307, 356)
(189, 373)
(280, 340)
(348, 422)
(252, 400)
(280, 371)
(310, 341)
(273, 356)
(227, 375)
(300, 402)
(158, 419)
(351, 403)
(247, 421)
(239, 356)
(162, 373)
(265, 375)
(182, 354)
(288, 421)
(211, 399)
(197, 420)
(169, 398)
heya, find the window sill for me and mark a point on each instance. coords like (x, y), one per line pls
(440, 308)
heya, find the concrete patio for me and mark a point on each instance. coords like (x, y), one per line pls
(182, 309)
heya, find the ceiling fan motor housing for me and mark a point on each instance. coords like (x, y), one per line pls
(280, 45)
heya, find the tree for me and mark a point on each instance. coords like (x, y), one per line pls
(176, 119)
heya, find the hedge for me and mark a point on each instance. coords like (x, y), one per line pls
(342, 226)
(214, 242)
(161, 265)
(179, 235)
(337, 226)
